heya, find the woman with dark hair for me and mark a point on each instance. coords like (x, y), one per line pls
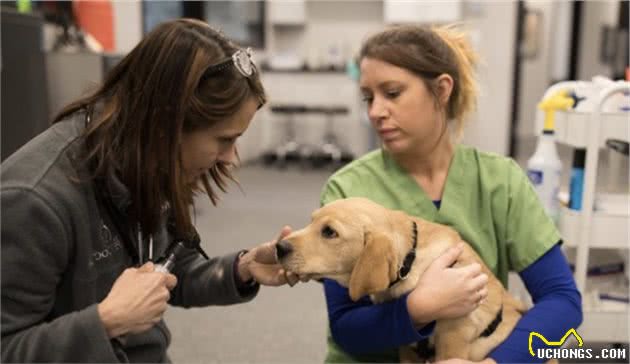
(91, 203)
(419, 87)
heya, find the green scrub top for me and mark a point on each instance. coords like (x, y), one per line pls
(487, 199)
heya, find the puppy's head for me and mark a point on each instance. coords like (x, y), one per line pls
(354, 241)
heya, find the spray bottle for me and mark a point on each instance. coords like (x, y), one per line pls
(544, 167)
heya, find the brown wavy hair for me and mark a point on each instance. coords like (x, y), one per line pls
(429, 52)
(145, 104)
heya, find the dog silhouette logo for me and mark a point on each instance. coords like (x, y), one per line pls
(553, 343)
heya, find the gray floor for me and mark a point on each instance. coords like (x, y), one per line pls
(281, 325)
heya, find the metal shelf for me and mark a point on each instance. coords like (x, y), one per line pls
(572, 128)
(587, 228)
(607, 230)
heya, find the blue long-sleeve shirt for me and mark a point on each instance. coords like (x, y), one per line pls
(362, 327)
(557, 307)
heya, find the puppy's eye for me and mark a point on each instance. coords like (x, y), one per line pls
(329, 233)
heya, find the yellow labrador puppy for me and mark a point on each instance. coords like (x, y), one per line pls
(381, 252)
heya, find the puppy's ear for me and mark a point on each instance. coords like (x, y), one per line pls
(376, 266)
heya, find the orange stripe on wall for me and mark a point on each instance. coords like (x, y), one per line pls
(97, 18)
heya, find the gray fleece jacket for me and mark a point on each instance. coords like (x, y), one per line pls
(61, 256)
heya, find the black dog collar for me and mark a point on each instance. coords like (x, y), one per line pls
(409, 258)
(494, 324)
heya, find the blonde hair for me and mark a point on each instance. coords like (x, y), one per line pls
(430, 52)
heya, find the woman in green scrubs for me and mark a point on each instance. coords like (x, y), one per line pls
(419, 87)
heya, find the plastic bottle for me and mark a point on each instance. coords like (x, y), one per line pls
(576, 185)
(544, 167)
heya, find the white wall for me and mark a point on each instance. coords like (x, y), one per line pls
(344, 24)
(127, 24)
(595, 15)
(494, 34)
(535, 72)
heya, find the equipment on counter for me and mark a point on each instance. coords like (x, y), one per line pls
(329, 151)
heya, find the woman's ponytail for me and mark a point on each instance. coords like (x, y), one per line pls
(463, 102)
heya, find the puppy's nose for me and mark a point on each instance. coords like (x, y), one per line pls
(283, 248)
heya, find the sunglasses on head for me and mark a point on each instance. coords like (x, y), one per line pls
(241, 60)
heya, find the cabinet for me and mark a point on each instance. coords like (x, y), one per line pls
(587, 228)
(25, 110)
(419, 12)
(287, 12)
